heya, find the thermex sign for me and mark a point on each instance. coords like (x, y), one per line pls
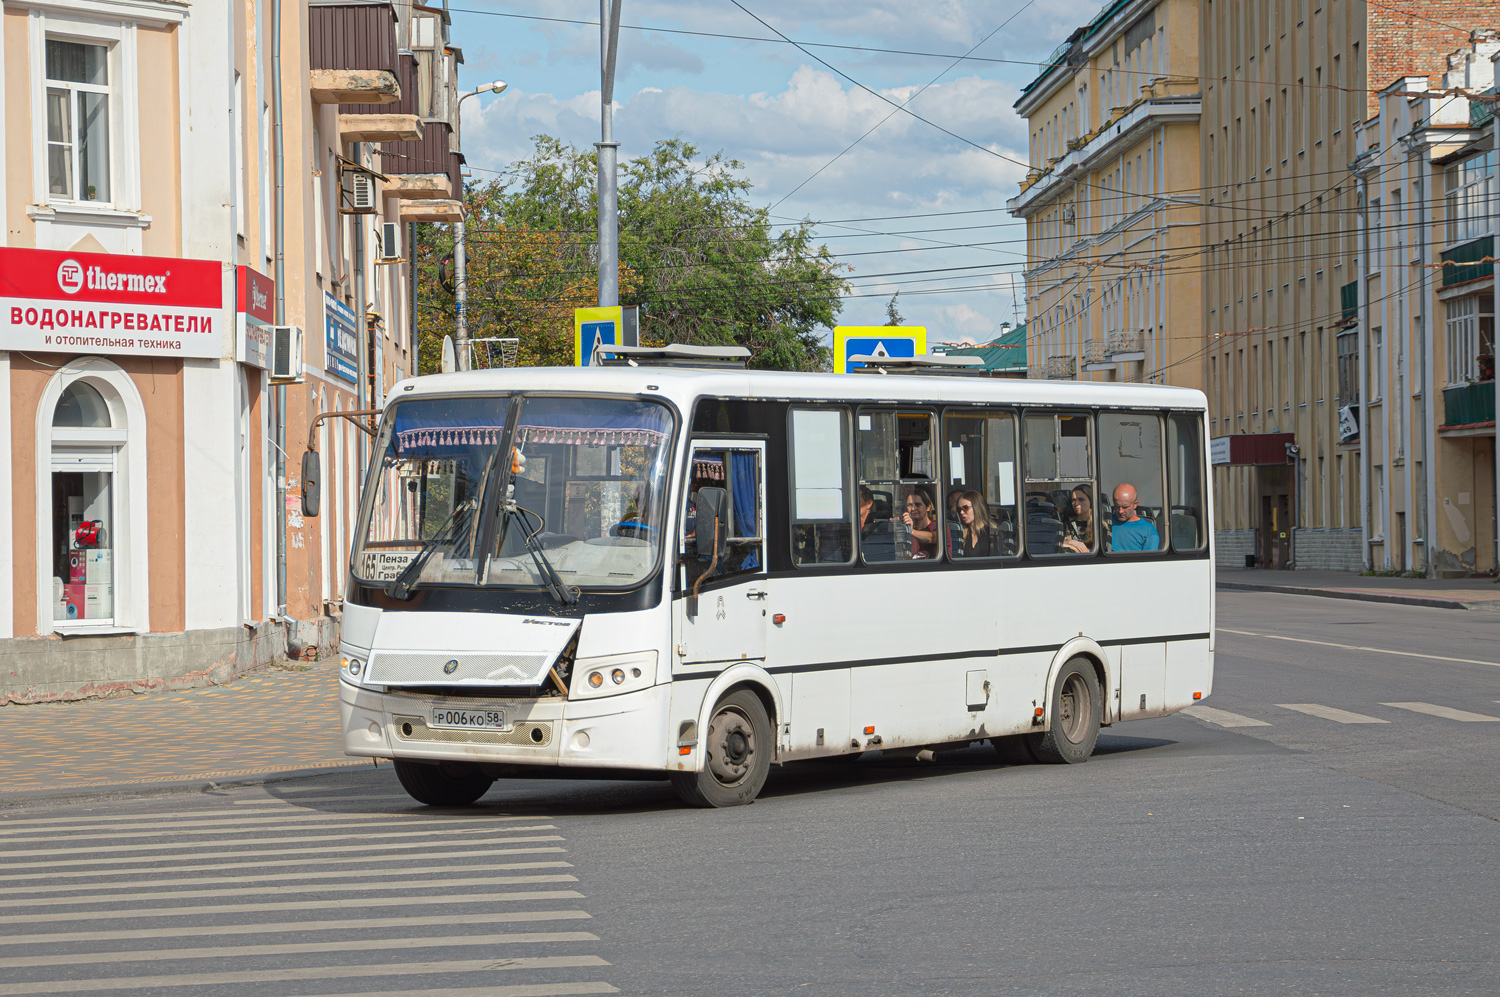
(104, 303)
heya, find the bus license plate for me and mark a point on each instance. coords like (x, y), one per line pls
(468, 719)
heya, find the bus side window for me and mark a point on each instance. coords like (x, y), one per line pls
(1130, 457)
(983, 518)
(1060, 504)
(900, 510)
(738, 473)
(822, 507)
(1185, 511)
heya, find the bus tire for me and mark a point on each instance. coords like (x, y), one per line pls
(1077, 708)
(737, 755)
(447, 784)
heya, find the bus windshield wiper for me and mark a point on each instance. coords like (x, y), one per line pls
(551, 580)
(400, 587)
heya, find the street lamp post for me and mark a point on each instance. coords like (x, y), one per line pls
(460, 256)
(609, 199)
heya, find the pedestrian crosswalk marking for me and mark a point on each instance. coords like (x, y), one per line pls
(1222, 717)
(53, 873)
(243, 817)
(401, 798)
(459, 832)
(298, 948)
(533, 990)
(1356, 647)
(263, 976)
(65, 833)
(402, 875)
(354, 902)
(364, 886)
(1446, 712)
(1331, 713)
(300, 927)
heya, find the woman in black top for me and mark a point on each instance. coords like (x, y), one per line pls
(978, 531)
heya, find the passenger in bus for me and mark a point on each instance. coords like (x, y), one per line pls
(979, 538)
(867, 520)
(1130, 531)
(920, 522)
(1079, 535)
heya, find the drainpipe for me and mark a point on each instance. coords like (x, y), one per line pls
(1359, 371)
(1423, 352)
(280, 243)
(362, 366)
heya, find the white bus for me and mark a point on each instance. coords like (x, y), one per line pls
(662, 571)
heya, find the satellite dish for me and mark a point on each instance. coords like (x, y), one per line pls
(450, 357)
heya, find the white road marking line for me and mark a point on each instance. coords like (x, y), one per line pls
(1222, 717)
(401, 798)
(311, 824)
(399, 876)
(302, 948)
(1356, 647)
(293, 889)
(1446, 712)
(353, 902)
(300, 927)
(524, 990)
(385, 846)
(8, 824)
(1331, 713)
(234, 842)
(261, 976)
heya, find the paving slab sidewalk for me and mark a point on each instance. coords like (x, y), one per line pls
(274, 721)
(1438, 593)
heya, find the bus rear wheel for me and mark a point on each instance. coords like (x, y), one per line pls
(446, 784)
(736, 752)
(1077, 709)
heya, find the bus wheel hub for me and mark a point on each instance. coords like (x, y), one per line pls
(731, 746)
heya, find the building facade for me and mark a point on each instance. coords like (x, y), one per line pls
(179, 180)
(1419, 373)
(1111, 203)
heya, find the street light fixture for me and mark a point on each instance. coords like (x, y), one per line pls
(460, 255)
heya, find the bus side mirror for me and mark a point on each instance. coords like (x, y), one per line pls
(713, 523)
(312, 483)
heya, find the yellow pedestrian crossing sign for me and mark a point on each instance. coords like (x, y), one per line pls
(875, 341)
(609, 326)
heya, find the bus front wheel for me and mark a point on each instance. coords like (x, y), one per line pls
(447, 784)
(1077, 708)
(737, 755)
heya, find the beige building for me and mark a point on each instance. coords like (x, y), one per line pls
(1418, 378)
(1111, 203)
(167, 206)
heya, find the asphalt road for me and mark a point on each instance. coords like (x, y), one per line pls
(1284, 843)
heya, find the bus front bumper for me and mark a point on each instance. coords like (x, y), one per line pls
(625, 732)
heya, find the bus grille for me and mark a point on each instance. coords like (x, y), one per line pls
(525, 733)
(428, 668)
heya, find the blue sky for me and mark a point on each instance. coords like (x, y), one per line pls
(785, 116)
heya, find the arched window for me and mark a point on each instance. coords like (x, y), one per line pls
(91, 501)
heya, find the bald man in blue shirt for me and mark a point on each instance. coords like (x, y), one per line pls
(1130, 531)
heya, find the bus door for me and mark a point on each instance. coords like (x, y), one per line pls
(726, 619)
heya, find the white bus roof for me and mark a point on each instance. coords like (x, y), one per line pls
(683, 385)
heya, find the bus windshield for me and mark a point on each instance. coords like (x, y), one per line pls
(575, 490)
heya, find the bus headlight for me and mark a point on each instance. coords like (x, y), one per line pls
(625, 672)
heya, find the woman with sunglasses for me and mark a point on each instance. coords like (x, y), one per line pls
(978, 531)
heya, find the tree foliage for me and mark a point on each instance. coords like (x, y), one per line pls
(705, 265)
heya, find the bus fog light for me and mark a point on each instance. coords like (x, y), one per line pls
(580, 740)
(596, 679)
(617, 676)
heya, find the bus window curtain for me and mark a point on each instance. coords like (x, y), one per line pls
(742, 484)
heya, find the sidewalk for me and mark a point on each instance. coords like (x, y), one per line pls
(272, 721)
(1437, 593)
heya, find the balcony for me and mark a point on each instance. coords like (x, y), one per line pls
(379, 128)
(1469, 405)
(430, 153)
(353, 86)
(432, 211)
(1470, 261)
(1093, 356)
(1481, 111)
(1122, 346)
(1060, 368)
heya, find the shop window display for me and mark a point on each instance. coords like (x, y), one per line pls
(83, 511)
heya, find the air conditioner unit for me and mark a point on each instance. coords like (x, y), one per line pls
(390, 241)
(286, 354)
(361, 192)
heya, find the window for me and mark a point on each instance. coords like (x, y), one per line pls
(1377, 364)
(1058, 467)
(1131, 481)
(78, 163)
(737, 471)
(822, 532)
(1471, 339)
(1347, 344)
(1185, 482)
(1468, 190)
(981, 483)
(897, 477)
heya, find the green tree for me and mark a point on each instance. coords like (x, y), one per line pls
(705, 265)
(892, 313)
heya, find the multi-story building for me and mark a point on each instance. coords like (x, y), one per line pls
(1111, 200)
(167, 205)
(1417, 378)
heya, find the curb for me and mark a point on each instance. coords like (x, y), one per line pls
(198, 783)
(1357, 595)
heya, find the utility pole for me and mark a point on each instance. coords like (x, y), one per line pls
(609, 195)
